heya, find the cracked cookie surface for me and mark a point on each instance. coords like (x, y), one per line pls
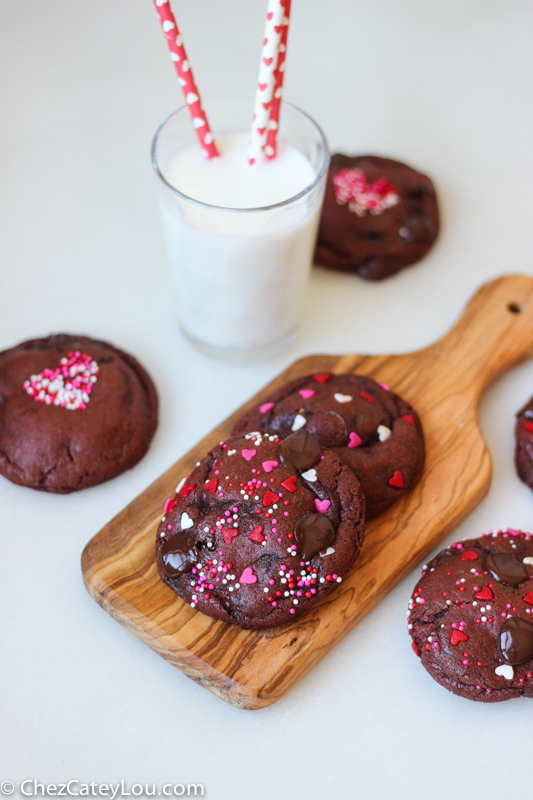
(261, 529)
(74, 412)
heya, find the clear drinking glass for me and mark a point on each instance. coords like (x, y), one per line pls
(240, 274)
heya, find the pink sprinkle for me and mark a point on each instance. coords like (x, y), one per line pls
(221, 494)
(459, 546)
(274, 603)
(385, 386)
(285, 513)
(169, 527)
(266, 407)
(279, 539)
(282, 566)
(299, 594)
(167, 504)
(271, 581)
(211, 585)
(291, 611)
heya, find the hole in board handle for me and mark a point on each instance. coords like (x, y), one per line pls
(515, 308)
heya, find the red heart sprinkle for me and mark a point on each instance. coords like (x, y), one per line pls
(228, 534)
(277, 28)
(469, 555)
(322, 377)
(269, 497)
(408, 418)
(266, 106)
(212, 485)
(397, 480)
(289, 483)
(268, 61)
(415, 648)
(257, 535)
(186, 490)
(261, 131)
(484, 594)
(262, 86)
(528, 426)
(367, 396)
(458, 636)
(529, 598)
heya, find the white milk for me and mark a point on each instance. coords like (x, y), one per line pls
(240, 275)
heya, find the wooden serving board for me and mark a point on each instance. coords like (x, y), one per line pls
(444, 382)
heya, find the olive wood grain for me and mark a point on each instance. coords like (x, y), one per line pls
(444, 382)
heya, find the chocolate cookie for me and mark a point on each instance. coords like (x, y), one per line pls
(74, 412)
(379, 216)
(261, 530)
(524, 444)
(372, 430)
(471, 617)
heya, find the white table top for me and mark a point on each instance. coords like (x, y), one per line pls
(445, 86)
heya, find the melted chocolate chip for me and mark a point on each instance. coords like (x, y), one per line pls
(506, 568)
(178, 555)
(314, 533)
(418, 229)
(515, 641)
(299, 451)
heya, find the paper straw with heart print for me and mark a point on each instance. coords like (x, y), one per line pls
(183, 68)
(265, 82)
(279, 72)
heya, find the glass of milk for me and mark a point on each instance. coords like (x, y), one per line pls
(239, 238)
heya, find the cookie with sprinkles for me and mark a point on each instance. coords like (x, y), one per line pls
(262, 529)
(378, 217)
(370, 428)
(524, 444)
(471, 617)
(74, 412)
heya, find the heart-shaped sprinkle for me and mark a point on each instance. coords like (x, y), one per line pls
(310, 475)
(469, 555)
(187, 489)
(186, 521)
(248, 576)
(355, 440)
(212, 485)
(484, 594)
(322, 377)
(257, 535)
(397, 480)
(268, 466)
(262, 86)
(266, 407)
(328, 552)
(343, 398)
(383, 433)
(457, 637)
(289, 484)
(68, 386)
(306, 393)
(267, 61)
(322, 505)
(506, 671)
(527, 560)
(228, 534)
(269, 498)
(299, 422)
(529, 598)
(408, 418)
(366, 396)
(248, 454)
(528, 426)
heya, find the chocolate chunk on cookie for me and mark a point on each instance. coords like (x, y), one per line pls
(471, 617)
(371, 429)
(74, 412)
(261, 530)
(379, 216)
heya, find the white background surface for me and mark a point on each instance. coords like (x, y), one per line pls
(443, 85)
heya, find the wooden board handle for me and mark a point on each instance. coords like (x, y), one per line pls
(493, 335)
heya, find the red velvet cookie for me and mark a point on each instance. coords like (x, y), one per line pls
(524, 443)
(379, 216)
(471, 617)
(371, 429)
(74, 412)
(261, 530)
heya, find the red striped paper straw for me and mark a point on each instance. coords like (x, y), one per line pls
(265, 82)
(183, 68)
(279, 73)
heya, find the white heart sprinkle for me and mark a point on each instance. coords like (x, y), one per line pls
(506, 671)
(299, 422)
(160, 3)
(198, 122)
(192, 98)
(178, 40)
(182, 82)
(174, 57)
(185, 66)
(208, 138)
(186, 521)
(310, 475)
(168, 25)
(343, 398)
(231, 452)
(328, 552)
(180, 484)
(383, 433)
(528, 560)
